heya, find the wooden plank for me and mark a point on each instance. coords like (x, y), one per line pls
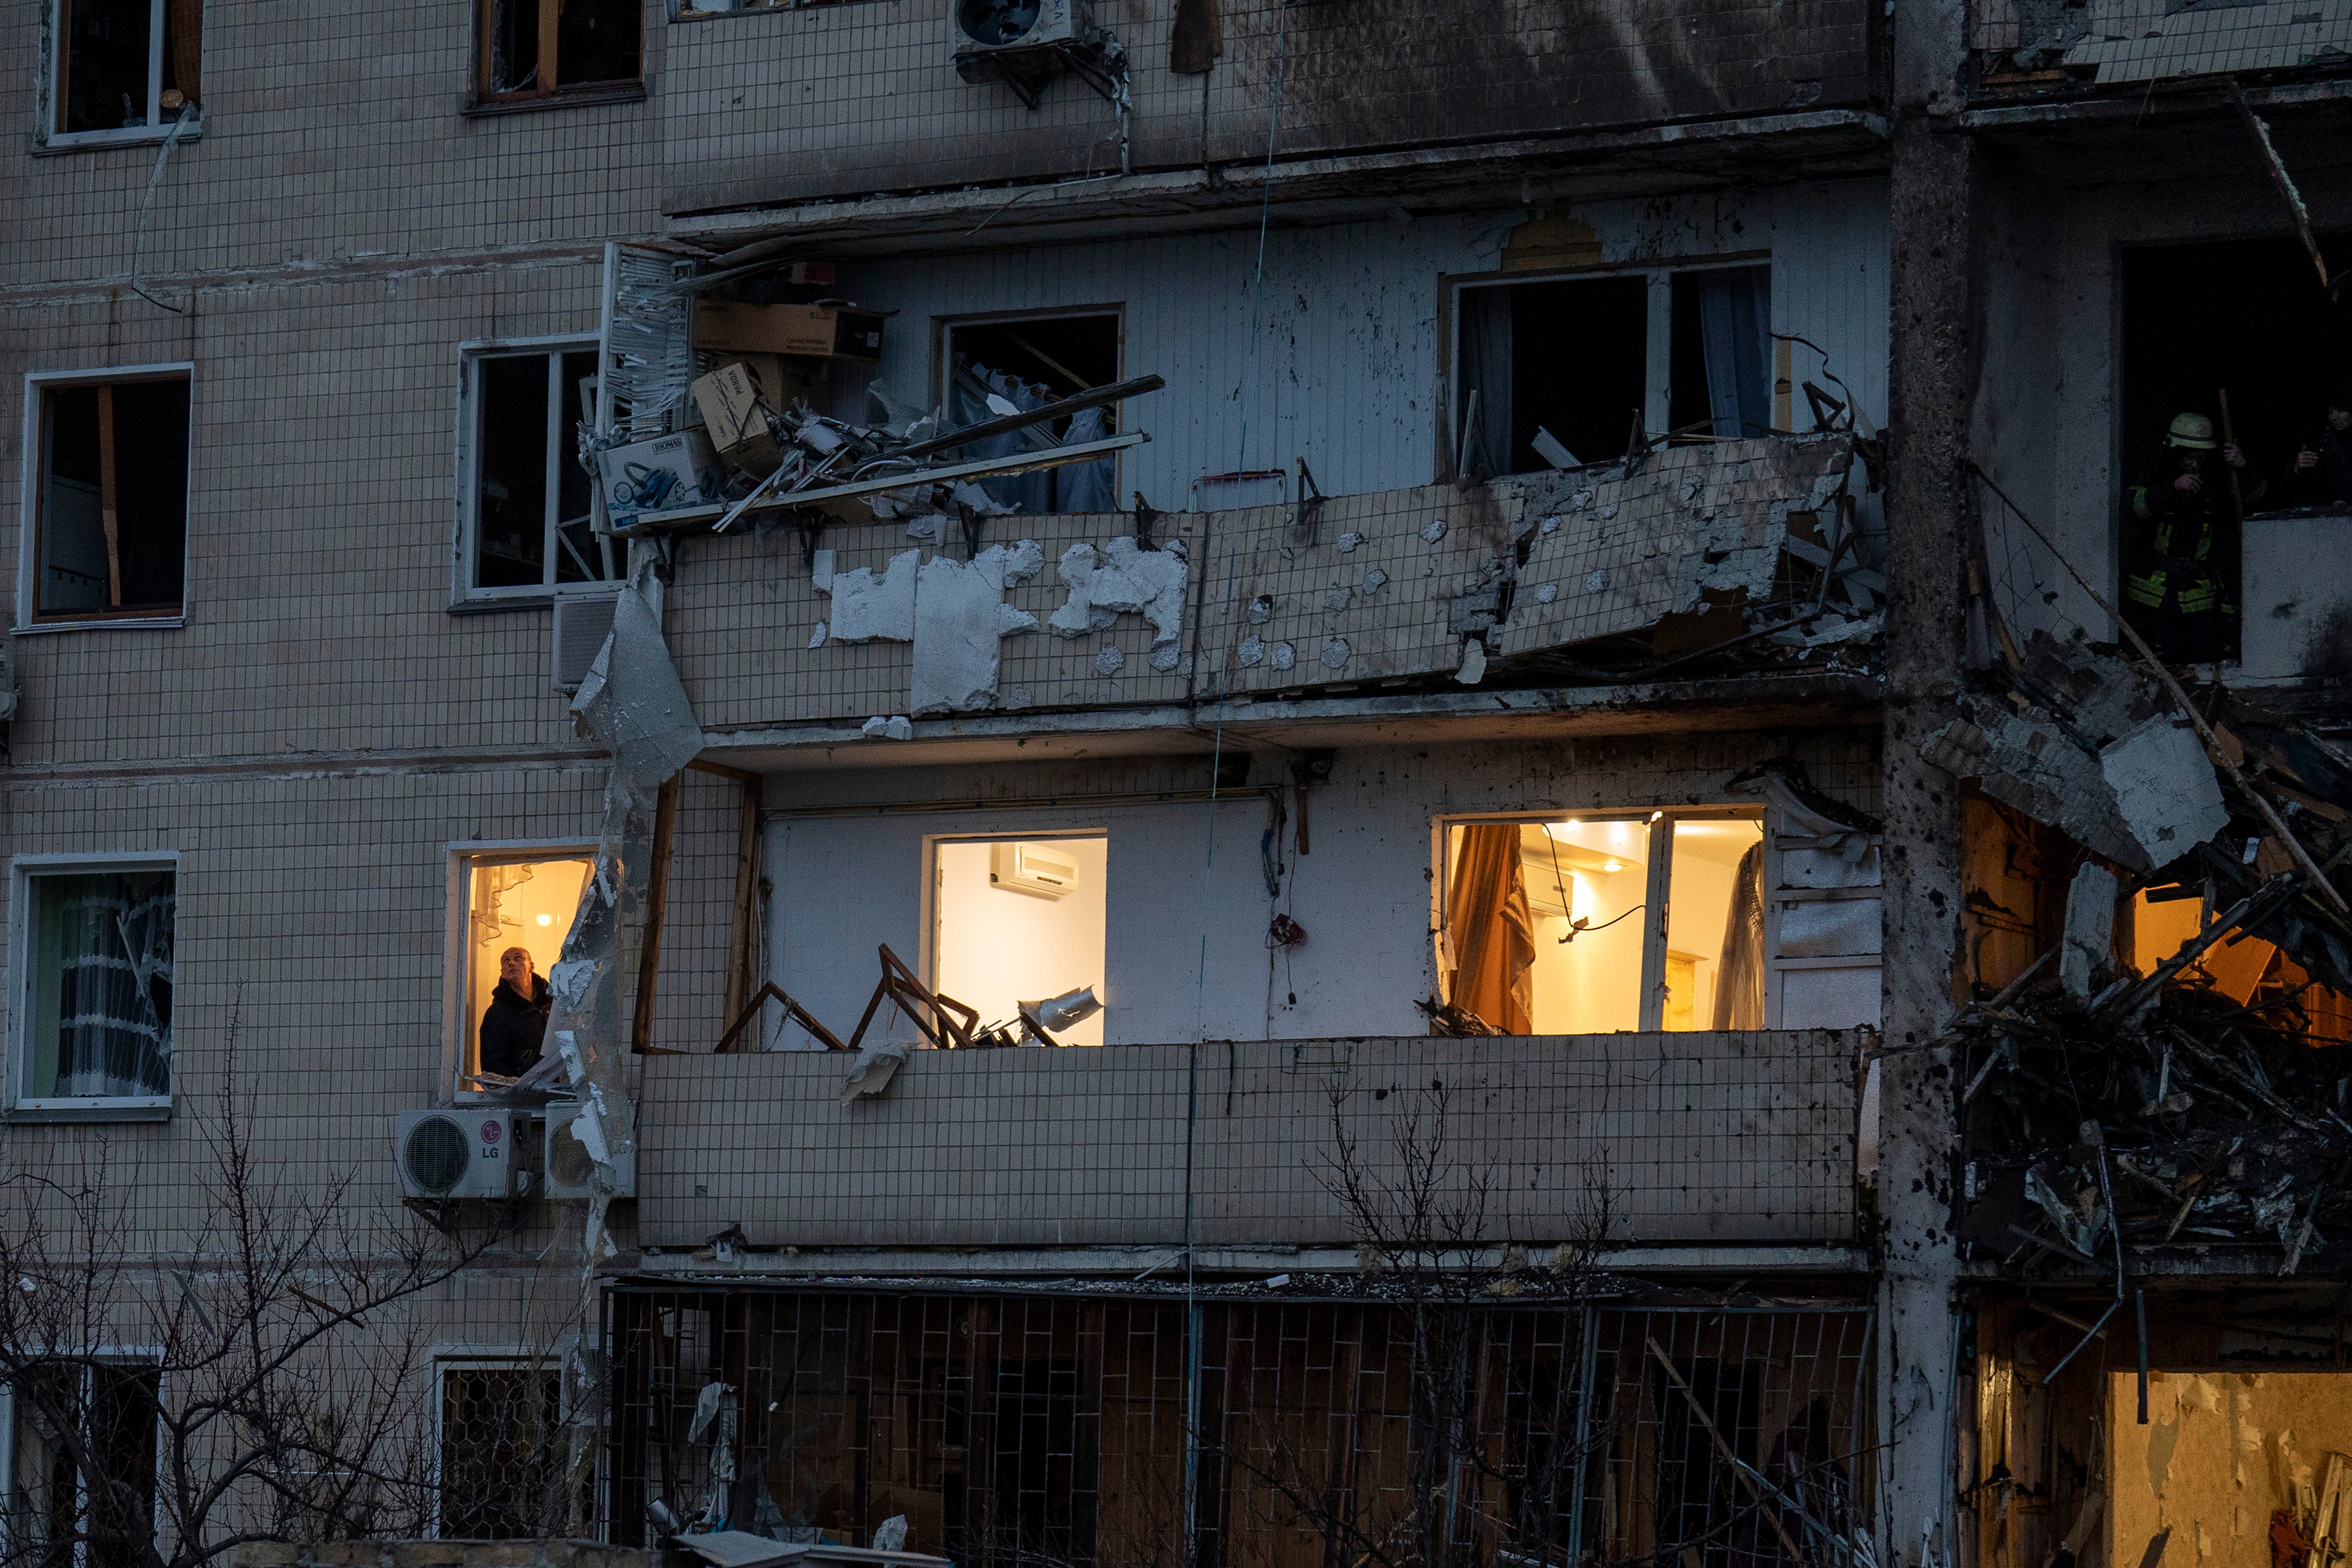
(549, 11)
(741, 939)
(641, 1027)
(106, 511)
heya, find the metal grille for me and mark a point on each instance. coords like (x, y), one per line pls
(1049, 1430)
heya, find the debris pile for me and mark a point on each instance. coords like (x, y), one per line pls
(2122, 1094)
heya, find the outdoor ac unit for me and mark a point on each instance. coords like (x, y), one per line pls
(460, 1152)
(582, 621)
(571, 1173)
(1021, 24)
(1034, 868)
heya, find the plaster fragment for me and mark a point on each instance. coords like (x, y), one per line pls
(1597, 581)
(1023, 561)
(1546, 592)
(1116, 580)
(2166, 789)
(816, 638)
(1473, 661)
(1011, 622)
(821, 570)
(1335, 653)
(1348, 542)
(1434, 532)
(1020, 696)
(1549, 525)
(2090, 929)
(887, 729)
(1282, 656)
(1374, 581)
(1261, 610)
(865, 607)
(1338, 598)
(1110, 661)
(1166, 656)
(1252, 652)
(958, 630)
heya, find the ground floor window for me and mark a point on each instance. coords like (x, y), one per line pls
(1018, 932)
(516, 912)
(1614, 921)
(500, 1455)
(61, 1512)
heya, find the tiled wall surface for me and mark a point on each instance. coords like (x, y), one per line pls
(1693, 1138)
(789, 104)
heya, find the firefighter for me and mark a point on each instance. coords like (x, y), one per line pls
(2322, 466)
(2181, 544)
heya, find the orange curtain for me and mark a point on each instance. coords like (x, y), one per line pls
(1494, 935)
(184, 30)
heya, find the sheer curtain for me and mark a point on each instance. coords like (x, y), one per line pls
(114, 991)
(1031, 493)
(1735, 312)
(1493, 934)
(1485, 445)
(1087, 486)
(1739, 987)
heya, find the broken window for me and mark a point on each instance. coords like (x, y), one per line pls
(991, 368)
(2231, 344)
(1559, 372)
(1617, 921)
(541, 49)
(500, 1467)
(518, 911)
(112, 537)
(97, 1001)
(1021, 922)
(125, 65)
(61, 1513)
(528, 497)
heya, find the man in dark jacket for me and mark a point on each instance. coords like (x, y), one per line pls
(2322, 464)
(515, 1019)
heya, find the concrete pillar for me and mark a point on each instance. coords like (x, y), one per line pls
(1934, 346)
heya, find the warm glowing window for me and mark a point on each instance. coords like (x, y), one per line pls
(526, 904)
(1020, 921)
(1591, 925)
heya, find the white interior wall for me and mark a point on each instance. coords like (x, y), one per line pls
(1336, 360)
(994, 947)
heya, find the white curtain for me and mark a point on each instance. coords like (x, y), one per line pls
(1734, 314)
(1032, 495)
(1087, 486)
(114, 983)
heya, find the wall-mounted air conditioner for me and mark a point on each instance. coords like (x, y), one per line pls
(462, 1152)
(1019, 24)
(1038, 869)
(582, 621)
(571, 1169)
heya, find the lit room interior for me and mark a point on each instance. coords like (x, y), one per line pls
(1518, 885)
(1020, 921)
(515, 904)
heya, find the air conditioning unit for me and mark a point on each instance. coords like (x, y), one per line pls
(1038, 869)
(462, 1152)
(1021, 24)
(571, 1172)
(582, 621)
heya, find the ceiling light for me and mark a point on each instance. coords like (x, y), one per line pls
(547, 920)
(1613, 865)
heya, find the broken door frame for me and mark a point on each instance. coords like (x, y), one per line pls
(1659, 870)
(33, 469)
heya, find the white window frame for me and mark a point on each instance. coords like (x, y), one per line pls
(36, 459)
(463, 857)
(1659, 870)
(119, 1355)
(23, 869)
(49, 99)
(463, 594)
(450, 1358)
(1658, 366)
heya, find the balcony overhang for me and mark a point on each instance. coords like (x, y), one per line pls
(1657, 159)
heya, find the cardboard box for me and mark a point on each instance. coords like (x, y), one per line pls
(732, 411)
(655, 475)
(821, 331)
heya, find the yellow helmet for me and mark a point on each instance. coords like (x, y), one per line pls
(2191, 430)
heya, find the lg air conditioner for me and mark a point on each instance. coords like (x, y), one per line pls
(571, 1170)
(462, 1152)
(582, 621)
(994, 25)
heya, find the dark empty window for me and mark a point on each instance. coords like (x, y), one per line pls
(1562, 371)
(530, 496)
(1025, 363)
(126, 65)
(536, 48)
(114, 499)
(62, 1513)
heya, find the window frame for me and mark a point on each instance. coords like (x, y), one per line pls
(23, 871)
(943, 330)
(108, 1355)
(1659, 870)
(50, 105)
(463, 595)
(463, 857)
(481, 99)
(1657, 372)
(464, 1358)
(32, 489)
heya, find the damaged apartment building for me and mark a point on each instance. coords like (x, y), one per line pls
(1182, 782)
